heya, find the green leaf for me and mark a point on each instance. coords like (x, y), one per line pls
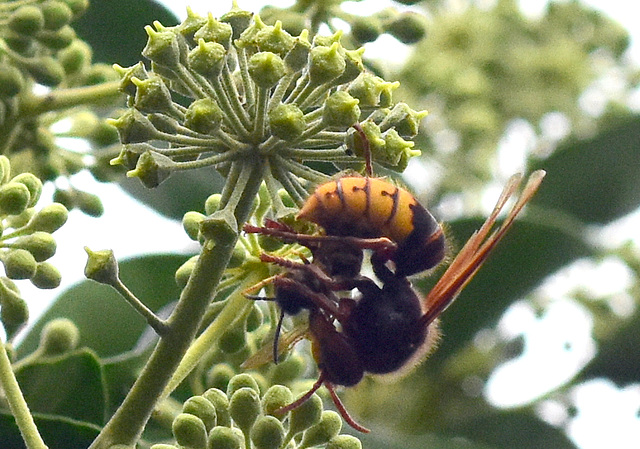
(595, 180)
(381, 440)
(70, 385)
(107, 324)
(115, 30)
(180, 193)
(56, 431)
(529, 253)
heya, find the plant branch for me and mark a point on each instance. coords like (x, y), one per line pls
(59, 99)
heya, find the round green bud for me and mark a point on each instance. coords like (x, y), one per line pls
(341, 110)
(190, 25)
(45, 70)
(191, 224)
(219, 377)
(207, 59)
(266, 69)
(289, 369)
(405, 120)
(40, 244)
(162, 47)
(189, 431)
(14, 311)
(46, 277)
(33, 184)
(18, 221)
(367, 88)
(212, 204)
(49, 219)
(286, 121)
(204, 116)
(133, 127)
(58, 39)
(26, 20)
(274, 39)
(14, 198)
(298, 56)
(11, 81)
(58, 336)
(202, 408)
(239, 20)
(77, 6)
(366, 29)
(243, 380)
(19, 264)
(232, 340)
(326, 63)
(407, 27)
(89, 203)
(184, 272)
(56, 14)
(353, 66)
(101, 266)
(267, 433)
(276, 397)
(9, 284)
(65, 197)
(214, 31)
(5, 169)
(344, 442)
(306, 415)
(244, 407)
(221, 403)
(254, 319)
(238, 256)
(152, 95)
(152, 169)
(329, 426)
(224, 438)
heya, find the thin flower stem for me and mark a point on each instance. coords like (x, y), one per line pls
(153, 320)
(17, 403)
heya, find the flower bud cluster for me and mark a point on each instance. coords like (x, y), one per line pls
(258, 95)
(26, 242)
(244, 415)
(40, 47)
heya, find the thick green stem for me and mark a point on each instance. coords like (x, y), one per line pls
(59, 99)
(17, 404)
(127, 424)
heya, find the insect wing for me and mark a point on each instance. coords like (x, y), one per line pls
(286, 342)
(474, 253)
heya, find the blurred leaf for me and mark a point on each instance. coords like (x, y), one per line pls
(70, 385)
(115, 30)
(529, 253)
(180, 193)
(596, 180)
(380, 440)
(56, 431)
(107, 324)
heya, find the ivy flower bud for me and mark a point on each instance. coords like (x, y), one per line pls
(162, 48)
(408, 27)
(221, 402)
(219, 376)
(239, 20)
(243, 380)
(353, 66)
(366, 29)
(190, 25)
(267, 433)
(133, 127)
(212, 203)
(276, 397)
(306, 415)
(286, 121)
(183, 273)
(152, 169)
(49, 219)
(101, 266)
(19, 264)
(46, 276)
(40, 244)
(11, 81)
(320, 433)
(245, 408)
(266, 69)
(326, 64)
(58, 39)
(14, 198)
(215, 31)
(56, 14)
(5, 169)
(77, 6)
(189, 431)
(89, 203)
(255, 318)
(45, 70)
(27, 20)
(14, 311)
(297, 57)
(248, 36)
(204, 116)
(33, 184)
(232, 340)
(152, 95)
(191, 224)
(289, 369)
(58, 336)
(367, 88)
(207, 58)
(344, 442)
(202, 408)
(275, 40)
(127, 74)
(224, 438)
(340, 110)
